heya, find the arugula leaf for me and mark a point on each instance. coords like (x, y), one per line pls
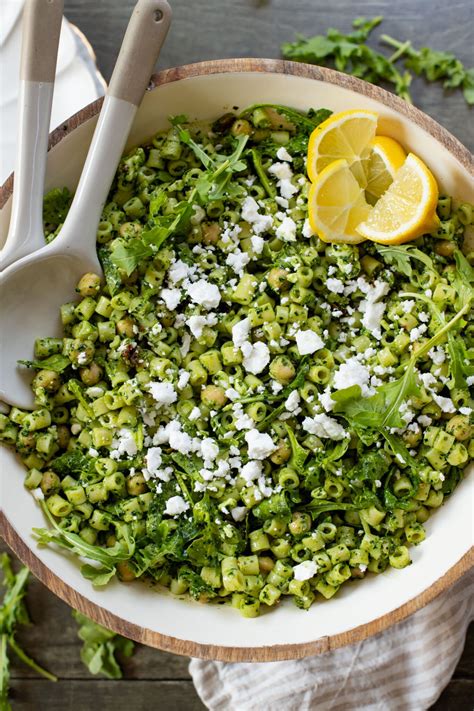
(197, 586)
(399, 256)
(298, 453)
(57, 363)
(318, 507)
(459, 363)
(185, 137)
(349, 53)
(13, 613)
(76, 389)
(98, 576)
(275, 505)
(100, 647)
(128, 256)
(73, 462)
(400, 451)
(393, 502)
(257, 163)
(123, 549)
(371, 467)
(435, 65)
(111, 271)
(303, 121)
(56, 204)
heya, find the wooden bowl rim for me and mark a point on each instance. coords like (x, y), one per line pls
(217, 652)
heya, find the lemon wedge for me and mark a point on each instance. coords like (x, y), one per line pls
(385, 159)
(336, 204)
(346, 135)
(407, 209)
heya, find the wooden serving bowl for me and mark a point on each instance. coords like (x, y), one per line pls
(205, 91)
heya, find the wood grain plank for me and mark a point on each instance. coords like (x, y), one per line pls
(34, 695)
(214, 29)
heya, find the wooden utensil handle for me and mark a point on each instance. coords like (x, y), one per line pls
(41, 28)
(141, 45)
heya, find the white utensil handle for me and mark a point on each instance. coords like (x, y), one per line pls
(40, 40)
(140, 48)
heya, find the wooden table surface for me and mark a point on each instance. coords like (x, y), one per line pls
(209, 29)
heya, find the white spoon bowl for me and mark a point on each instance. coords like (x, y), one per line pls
(205, 91)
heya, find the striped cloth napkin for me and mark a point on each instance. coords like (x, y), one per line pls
(403, 669)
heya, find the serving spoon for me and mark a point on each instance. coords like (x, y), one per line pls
(33, 288)
(41, 28)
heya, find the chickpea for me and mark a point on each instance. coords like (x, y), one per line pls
(125, 571)
(64, 436)
(49, 482)
(130, 229)
(91, 375)
(88, 285)
(277, 279)
(411, 438)
(136, 485)
(210, 232)
(282, 370)
(265, 563)
(47, 379)
(111, 540)
(282, 454)
(82, 352)
(167, 318)
(128, 279)
(214, 396)
(241, 127)
(26, 441)
(445, 248)
(125, 327)
(459, 427)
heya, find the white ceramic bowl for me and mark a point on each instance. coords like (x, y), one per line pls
(205, 91)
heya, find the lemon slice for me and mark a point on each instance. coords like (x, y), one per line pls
(407, 209)
(386, 158)
(346, 135)
(336, 204)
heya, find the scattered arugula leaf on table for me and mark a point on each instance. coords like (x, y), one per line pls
(13, 613)
(100, 647)
(350, 53)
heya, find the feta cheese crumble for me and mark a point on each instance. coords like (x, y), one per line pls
(176, 505)
(308, 341)
(305, 570)
(353, 373)
(163, 393)
(204, 293)
(325, 427)
(250, 213)
(260, 444)
(240, 332)
(256, 357)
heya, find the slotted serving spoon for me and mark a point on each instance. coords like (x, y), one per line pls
(33, 288)
(40, 40)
